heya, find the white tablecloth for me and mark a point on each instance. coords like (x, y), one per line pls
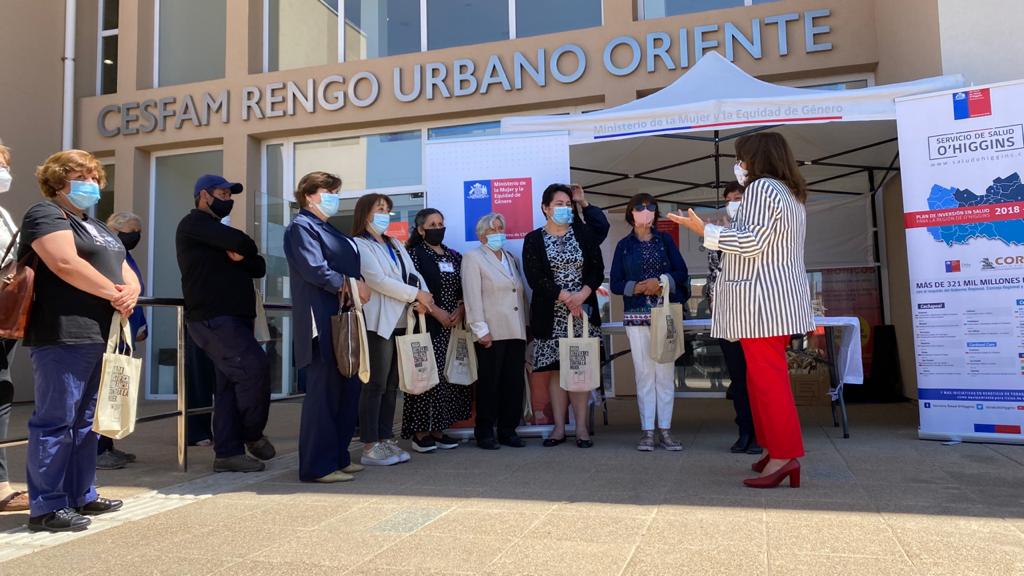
(848, 357)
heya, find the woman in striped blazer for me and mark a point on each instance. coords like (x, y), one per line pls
(762, 296)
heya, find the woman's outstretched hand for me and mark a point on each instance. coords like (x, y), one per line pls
(690, 221)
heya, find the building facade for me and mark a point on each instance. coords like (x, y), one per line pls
(264, 91)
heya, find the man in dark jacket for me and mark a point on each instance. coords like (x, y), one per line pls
(218, 264)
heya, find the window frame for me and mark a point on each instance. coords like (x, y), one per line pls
(640, 9)
(340, 14)
(100, 35)
(150, 246)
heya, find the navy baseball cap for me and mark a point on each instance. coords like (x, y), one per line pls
(211, 182)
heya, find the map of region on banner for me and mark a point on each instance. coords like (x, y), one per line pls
(510, 197)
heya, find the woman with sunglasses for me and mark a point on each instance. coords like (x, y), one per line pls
(641, 258)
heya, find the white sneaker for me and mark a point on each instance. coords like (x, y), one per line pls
(392, 445)
(379, 455)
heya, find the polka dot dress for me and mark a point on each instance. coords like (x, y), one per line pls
(446, 403)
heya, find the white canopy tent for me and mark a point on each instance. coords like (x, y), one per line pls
(649, 145)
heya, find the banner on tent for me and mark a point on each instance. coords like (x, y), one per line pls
(960, 156)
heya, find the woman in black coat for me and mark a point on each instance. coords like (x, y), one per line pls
(564, 267)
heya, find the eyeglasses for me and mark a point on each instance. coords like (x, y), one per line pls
(647, 207)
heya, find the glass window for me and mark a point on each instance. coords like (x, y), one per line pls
(464, 131)
(663, 8)
(463, 22)
(366, 162)
(850, 85)
(191, 41)
(105, 207)
(174, 178)
(109, 17)
(301, 33)
(536, 17)
(107, 71)
(108, 64)
(377, 28)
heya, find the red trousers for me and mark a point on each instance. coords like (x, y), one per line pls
(776, 421)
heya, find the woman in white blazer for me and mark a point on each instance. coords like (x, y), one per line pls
(394, 284)
(762, 296)
(492, 288)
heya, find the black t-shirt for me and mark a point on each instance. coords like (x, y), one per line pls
(61, 313)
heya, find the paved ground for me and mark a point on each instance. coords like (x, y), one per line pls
(880, 503)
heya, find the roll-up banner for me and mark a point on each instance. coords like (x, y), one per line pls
(961, 159)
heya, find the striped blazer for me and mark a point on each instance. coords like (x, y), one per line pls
(762, 290)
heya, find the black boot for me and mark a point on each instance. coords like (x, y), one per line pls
(741, 444)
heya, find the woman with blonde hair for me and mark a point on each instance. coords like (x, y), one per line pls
(81, 279)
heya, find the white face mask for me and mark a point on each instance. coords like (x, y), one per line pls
(732, 208)
(5, 179)
(741, 174)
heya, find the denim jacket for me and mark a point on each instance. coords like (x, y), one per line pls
(627, 271)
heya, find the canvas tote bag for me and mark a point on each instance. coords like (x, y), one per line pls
(260, 327)
(118, 395)
(460, 361)
(666, 328)
(348, 332)
(579, 359)
(417, 367)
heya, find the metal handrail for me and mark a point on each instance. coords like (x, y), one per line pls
(183, 412)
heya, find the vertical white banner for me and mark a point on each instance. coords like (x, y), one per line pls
(961, 158)
(467, 178)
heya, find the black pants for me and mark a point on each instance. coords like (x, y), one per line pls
(737, 365)
(328, 418)
(242, 397)
(499, 388)
(200, 379)
(7, 351)
(378, 397)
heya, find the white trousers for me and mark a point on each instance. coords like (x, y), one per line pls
(655, 383)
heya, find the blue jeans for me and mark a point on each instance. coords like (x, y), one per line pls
(61, 458)
(241, 400)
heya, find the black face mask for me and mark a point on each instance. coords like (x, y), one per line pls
(221, 208)
(129, 239)
(433, 236)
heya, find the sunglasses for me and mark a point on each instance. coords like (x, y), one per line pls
(647, 207)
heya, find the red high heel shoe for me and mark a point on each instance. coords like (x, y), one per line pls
(790, 469)
(760, 464)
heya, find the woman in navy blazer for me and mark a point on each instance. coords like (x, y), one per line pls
(641, 258)
(320, 259)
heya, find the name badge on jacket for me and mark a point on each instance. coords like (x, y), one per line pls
(446, 267)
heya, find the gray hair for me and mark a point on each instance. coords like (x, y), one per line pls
(486, 222)
(120, 220)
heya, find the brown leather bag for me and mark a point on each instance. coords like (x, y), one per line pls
(17, 281)
(349, 335)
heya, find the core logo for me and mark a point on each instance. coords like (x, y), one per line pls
(952, 266)
(1012, 262)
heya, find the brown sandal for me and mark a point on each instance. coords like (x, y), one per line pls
(14, 502)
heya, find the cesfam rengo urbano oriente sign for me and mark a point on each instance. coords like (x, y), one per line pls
(465, 77)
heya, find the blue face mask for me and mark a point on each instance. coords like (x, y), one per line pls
(495, 241)
(380, 222)
(329, 204)
(562, 215)
(84, 194)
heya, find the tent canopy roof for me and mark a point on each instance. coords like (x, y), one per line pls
(715, 94)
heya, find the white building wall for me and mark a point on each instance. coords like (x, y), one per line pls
(981, 39)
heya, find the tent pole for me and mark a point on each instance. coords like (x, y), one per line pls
(718, 163)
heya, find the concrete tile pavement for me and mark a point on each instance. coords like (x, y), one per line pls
(881, 502)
